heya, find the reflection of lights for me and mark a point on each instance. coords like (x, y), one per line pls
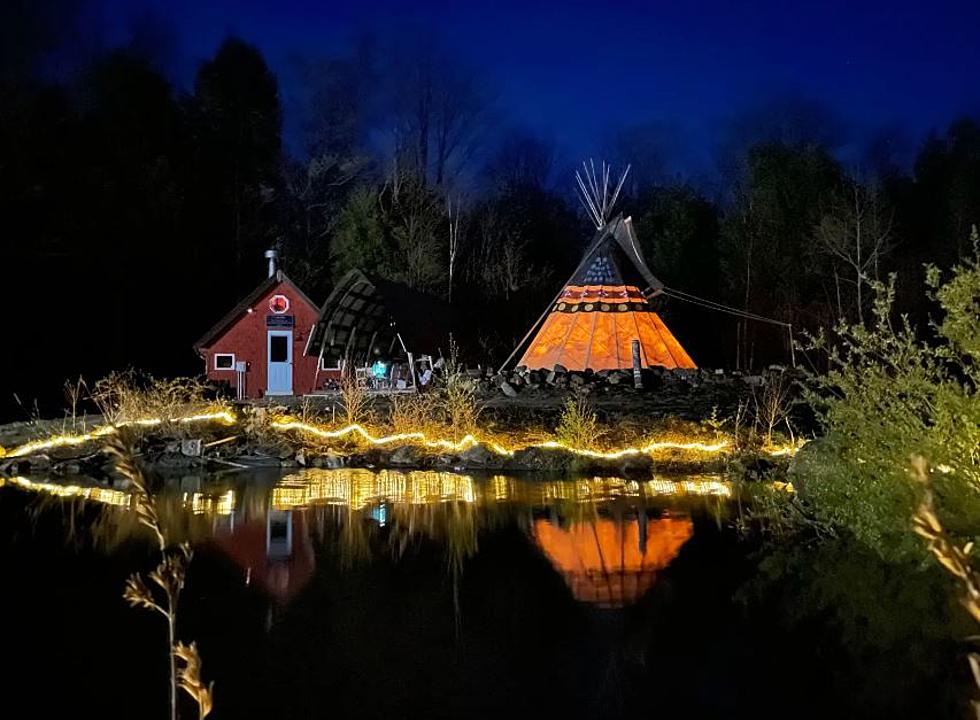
(105, 496)
(201, 503)
(358, 489)
(57, 441)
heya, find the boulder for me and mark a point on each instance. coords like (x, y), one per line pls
(191, 447)
(330, 460)
(811, 462)
(535, 458)
(560, 369)
(507, 389)
(635, 465)
(479, 455)
(405, 455)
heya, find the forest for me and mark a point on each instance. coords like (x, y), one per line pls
(137, 212)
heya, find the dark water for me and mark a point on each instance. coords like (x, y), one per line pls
(336, 594)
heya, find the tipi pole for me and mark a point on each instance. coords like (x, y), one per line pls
(548, 307)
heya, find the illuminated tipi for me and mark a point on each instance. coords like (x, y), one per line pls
(604, 306)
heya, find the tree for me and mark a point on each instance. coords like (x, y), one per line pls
(768, 259)
(236, 120)
(436, 107)
(857, 231)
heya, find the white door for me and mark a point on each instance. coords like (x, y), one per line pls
(279, 368)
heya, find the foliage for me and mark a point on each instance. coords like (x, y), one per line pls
(130, 395)
(578, 425)
(355, 401)
(169, 576)
(954, 558)
(458, 398)
(888, 393)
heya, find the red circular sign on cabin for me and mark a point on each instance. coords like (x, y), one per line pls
(279, 304)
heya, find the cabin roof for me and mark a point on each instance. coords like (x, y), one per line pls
(364, 310)
(264, 287)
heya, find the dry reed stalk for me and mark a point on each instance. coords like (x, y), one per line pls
(954, 558)
(169, 576)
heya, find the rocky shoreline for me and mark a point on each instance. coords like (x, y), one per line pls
(521, 401)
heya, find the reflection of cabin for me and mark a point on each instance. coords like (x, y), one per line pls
(275, 555)
(257, 347)
(612, 563)
(386, 330)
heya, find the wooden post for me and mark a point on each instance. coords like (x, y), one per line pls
(637, 377)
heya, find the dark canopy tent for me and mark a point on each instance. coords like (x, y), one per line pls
(368, 318)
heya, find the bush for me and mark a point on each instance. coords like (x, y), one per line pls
(578, 426)
(888, 394)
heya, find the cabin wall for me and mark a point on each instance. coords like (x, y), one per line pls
(247, 338)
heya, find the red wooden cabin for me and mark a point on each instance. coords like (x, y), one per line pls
(257, 348)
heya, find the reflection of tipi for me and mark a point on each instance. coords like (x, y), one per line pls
(603, 309)
(612, 563)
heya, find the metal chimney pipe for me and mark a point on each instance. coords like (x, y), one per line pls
(273, 258)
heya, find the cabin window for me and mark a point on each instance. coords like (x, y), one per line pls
(224, 361)
(328, 364)
(278, 349)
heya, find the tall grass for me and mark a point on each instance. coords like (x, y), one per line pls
(169, 578)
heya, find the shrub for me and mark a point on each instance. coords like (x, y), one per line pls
(888, 394)
(578, 426)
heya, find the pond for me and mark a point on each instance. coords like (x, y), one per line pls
(353, 593)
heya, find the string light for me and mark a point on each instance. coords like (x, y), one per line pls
(469, 441)
(56, 441)
(286, 424)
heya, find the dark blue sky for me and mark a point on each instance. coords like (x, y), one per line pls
(576, 71)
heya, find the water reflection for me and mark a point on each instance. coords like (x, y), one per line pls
(612, 563)
(607, 537)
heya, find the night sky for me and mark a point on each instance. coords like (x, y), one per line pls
(577, 72)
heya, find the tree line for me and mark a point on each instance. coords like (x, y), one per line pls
(136, 213)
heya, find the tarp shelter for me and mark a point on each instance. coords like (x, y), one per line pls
(603, 308)
(368, 318)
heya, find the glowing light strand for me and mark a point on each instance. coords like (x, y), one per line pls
(56, 441)
(469, 441)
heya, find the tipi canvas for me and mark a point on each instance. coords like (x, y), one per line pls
(603, 309)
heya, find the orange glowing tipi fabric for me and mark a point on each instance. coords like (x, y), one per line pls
(609, 563)
(602, 310)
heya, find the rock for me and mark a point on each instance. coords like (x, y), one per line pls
(615, 377)
(69, 468)
(405, 455)
(39, 462)
(191, 448)
(479, 455)
(507, 389)
(639, 464)
(754, 380)
(330, 460)
(560, 369)
(811, 463)
(256, 460)
(577, 380)
(535, 458)
(301, 458)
